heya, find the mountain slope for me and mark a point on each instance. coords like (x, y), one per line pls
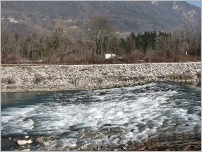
(125, 15)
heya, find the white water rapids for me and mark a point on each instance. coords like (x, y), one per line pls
(139, 112)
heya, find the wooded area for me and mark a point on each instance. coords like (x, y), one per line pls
(101, 38)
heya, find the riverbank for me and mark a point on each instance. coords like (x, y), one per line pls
(191, 141)
(89, 77)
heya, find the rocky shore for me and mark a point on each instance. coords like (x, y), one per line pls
(190, 141)
(88, 77)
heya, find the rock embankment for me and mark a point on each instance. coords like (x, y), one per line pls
(87, 77)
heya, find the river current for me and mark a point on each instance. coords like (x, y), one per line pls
(107, 116)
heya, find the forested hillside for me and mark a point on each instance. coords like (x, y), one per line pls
(129, 16)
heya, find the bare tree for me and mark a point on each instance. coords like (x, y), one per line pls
(188, 29)
(4, 43)
(54, 44)
(198, 43)
(99, 31)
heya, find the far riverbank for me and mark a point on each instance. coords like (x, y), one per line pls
(24, 78)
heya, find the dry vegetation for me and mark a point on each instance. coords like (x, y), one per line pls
(56, 48)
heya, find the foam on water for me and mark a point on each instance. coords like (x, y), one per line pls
(138, 111)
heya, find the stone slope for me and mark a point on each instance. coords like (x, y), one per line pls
(88, 77)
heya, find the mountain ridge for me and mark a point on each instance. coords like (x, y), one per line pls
(127, 16)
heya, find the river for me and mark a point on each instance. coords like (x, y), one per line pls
(114, 116)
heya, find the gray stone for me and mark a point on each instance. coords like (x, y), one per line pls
(87, 77)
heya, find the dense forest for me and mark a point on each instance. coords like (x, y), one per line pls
(101, 38)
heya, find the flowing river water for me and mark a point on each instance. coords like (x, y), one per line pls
(117, 116)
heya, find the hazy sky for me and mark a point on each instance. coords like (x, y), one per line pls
(197, 3)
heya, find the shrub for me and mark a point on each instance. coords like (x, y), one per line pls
(11, 58)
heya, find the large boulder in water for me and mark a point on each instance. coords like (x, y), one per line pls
(22, 142)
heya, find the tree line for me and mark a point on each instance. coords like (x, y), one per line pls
(101, 38)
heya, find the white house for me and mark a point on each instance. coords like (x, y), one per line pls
(108, 56)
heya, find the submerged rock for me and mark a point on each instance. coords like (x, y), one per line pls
(64, 104)
(60, 149)
(66, 100)
(102, 93)
(39, 139)
(26, 150)
(147, 87)
(46, 144)
(51, 137)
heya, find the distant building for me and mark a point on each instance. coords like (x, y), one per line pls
(12, 20)
(109, 56)
(70, 20)
(73, 27)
